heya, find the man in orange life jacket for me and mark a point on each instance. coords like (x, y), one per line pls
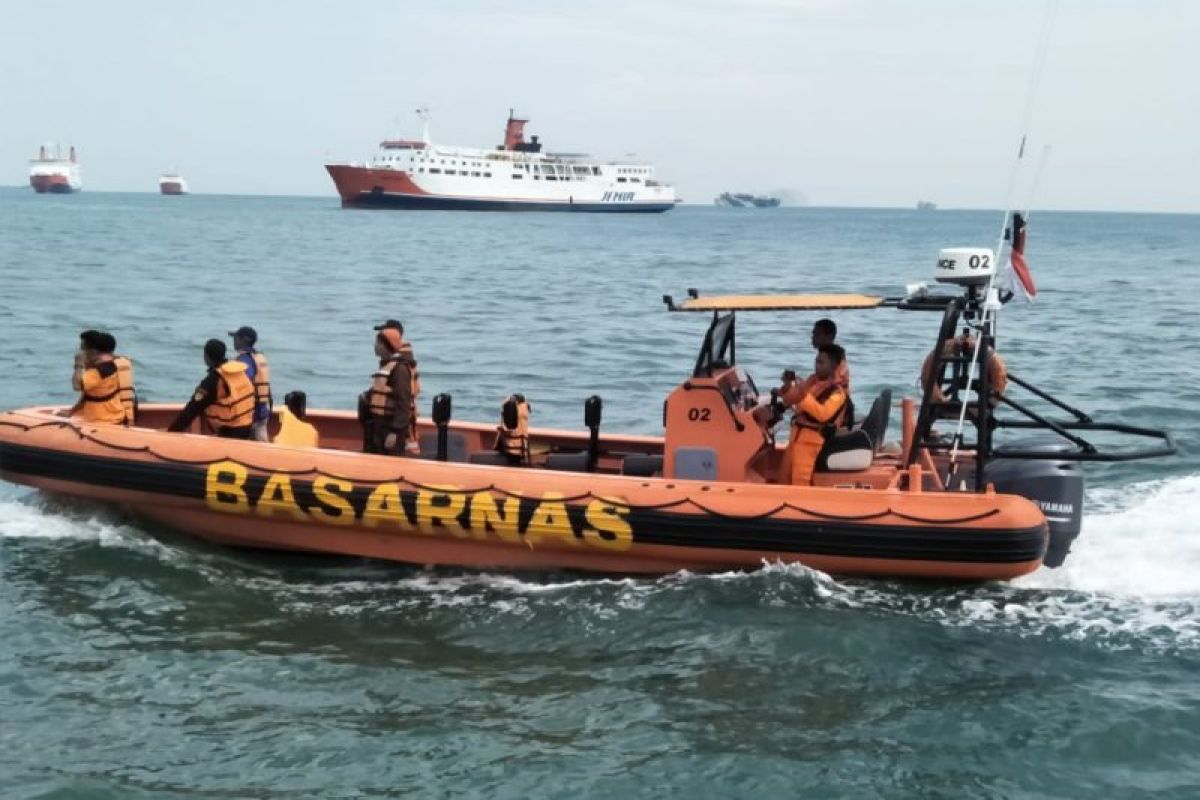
(388, 410)
(819, 403)
(104, 381)
(225, 397)
(259, 373)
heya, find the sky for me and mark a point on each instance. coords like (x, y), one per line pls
(836, 102)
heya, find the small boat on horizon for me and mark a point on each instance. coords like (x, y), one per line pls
(52, 173)
(926, 205)
(745, 200)
(172, 183)
(515, 176)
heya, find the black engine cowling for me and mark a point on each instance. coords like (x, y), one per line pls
(1056, 486)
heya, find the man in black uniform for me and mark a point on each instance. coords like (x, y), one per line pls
(225, 397)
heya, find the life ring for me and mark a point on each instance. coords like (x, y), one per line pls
(997, 369)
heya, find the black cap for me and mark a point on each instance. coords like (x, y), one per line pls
(390, 323)
(247, 333)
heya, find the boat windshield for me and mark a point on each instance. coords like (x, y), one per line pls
(717, 351)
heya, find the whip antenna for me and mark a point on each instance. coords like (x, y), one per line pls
(991, 296)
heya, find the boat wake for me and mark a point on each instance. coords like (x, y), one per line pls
(1128, 584)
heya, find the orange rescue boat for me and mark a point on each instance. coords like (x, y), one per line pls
(703, 496)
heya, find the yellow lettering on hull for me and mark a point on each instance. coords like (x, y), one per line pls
(334, 508)
(607, 526)
(487, 517)
(438, 508)
(431, 510)
(384, 507)
(225, 487)
(550, 523)
(277, 497)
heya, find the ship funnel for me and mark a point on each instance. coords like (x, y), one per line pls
(514, 132)
(42, 153)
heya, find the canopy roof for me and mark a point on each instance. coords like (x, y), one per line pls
(776, 302)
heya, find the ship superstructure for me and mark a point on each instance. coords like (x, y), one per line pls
(516, 176)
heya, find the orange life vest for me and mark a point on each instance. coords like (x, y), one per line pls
(381, 402)
(513, 439)
(118, 385)
(234, 406)
(821, 391)
(406, 349)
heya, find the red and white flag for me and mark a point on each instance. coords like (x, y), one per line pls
(1017, 279)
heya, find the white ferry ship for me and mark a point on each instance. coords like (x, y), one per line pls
(172, 183)
(516, 176)
(54, 174)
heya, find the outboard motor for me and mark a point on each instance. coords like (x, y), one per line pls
(591, 420)
(441, 418)
(1056, 487)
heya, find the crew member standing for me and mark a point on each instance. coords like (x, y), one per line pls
(818, 403)
(259, 372)
(225, 397)
(825, 332)
(104, 381)
(388, 408)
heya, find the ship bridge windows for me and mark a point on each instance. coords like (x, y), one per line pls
(434, 171)
(621, 179)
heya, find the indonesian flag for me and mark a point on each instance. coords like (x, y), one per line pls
(1017, 277)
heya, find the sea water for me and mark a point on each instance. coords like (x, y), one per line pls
(136, 663)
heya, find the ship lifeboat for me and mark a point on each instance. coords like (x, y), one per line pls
(706, 495)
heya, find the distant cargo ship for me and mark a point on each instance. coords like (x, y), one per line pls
(54, 174)
(516, 176)
(925, 205)
(735, 200)
(172, 183)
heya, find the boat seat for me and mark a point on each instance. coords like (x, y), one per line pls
(456, 446)
(567, 462)
(846, 451)
(490, 457)
(875, 423)
(642, 465)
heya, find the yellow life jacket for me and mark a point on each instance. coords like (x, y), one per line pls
(234, 406)
(294, 432)
(513, 439)
(262, 379)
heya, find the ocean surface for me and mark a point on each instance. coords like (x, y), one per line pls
(136, 663)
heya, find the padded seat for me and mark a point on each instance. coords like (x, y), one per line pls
(875, 423)
(847, 451)
(642, 465)
(567, 462)
(490, 457)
